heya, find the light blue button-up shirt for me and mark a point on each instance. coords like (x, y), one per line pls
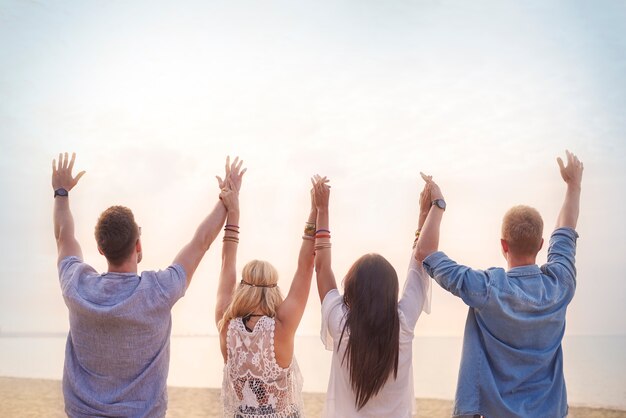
(118, 348)
(512, 360)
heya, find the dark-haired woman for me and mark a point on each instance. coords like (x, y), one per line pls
(369, 331)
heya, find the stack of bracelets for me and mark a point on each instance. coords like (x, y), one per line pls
(417, 235)
(309, 231)
(322, 234)
(231, 233)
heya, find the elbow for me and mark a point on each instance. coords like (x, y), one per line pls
(421, 253)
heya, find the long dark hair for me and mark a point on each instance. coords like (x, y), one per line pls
(372, 326)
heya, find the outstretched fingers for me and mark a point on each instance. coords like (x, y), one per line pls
(227, 166)
(71, 166)
(220, 182)
(426, 177)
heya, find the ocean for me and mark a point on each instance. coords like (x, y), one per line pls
(595, 366)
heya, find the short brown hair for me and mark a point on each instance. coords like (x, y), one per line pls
(522, 228)
(116, 234)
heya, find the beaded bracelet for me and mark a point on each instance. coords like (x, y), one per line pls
(322, 230)
(318, 236)
(309, 229)
(231, 239)
(323, 245)
(308, 238)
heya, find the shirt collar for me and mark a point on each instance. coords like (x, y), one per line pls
(529, 270)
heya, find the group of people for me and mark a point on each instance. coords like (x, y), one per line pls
(118, 347)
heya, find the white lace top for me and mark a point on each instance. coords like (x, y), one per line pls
(254, 385)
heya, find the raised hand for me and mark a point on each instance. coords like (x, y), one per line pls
(321, 191)
(233, 172)
(572, 173)
(425, 198)
(425, 202)
(313, 207)
(229, 196)
(62, 173)
(435, 191)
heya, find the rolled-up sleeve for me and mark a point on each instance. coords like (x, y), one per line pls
(70, 268)
(416, 294)
(472, 286)
(172, 282)
(562, 255)
(333, 311)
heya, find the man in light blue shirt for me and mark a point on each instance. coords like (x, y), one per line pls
(118, 348)
(512, 360)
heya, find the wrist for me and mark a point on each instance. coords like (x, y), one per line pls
(61, 192)
(573, 187)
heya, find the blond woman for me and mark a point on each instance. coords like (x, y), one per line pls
(256, 325)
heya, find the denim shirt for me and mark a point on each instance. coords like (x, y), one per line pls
(512, 360)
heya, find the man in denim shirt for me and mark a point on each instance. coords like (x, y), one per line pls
(512, 361)
(118, 348)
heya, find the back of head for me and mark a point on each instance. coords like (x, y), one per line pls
(372, 325)
(116, 234)
(257, 292)
(522, 228)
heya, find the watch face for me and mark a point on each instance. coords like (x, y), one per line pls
(60, 192)
(441, 204)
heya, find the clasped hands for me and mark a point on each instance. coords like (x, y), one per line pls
(231, 184)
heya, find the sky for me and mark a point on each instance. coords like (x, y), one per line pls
(152, 96)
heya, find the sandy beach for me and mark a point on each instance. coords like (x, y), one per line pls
(42, 398)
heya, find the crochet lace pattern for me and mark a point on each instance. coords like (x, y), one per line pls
(254, 385)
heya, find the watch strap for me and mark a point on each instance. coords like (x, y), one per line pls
(61, 192)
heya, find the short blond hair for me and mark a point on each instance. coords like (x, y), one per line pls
(249, 299)
(522, 228)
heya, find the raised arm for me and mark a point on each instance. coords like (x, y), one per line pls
(191, 254)
(325, 276)
(428, 242)
(572, 174)
(425, 200)
(291, 310)
(228, 273)
(62, 183)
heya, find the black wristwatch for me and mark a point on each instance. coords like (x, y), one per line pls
(440, 203)
(61, 192)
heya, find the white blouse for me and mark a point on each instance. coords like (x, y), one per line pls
(396, 399)
(254, 385)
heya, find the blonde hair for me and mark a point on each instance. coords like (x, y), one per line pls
(248, 299)
(522, 228)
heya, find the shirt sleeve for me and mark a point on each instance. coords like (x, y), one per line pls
(333, 312)
(172, 282)
(416, 294)
(70, 268)
(562, 255)
(472, 286)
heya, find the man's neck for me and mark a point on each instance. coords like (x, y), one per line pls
(521, 261)
(127, 267)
